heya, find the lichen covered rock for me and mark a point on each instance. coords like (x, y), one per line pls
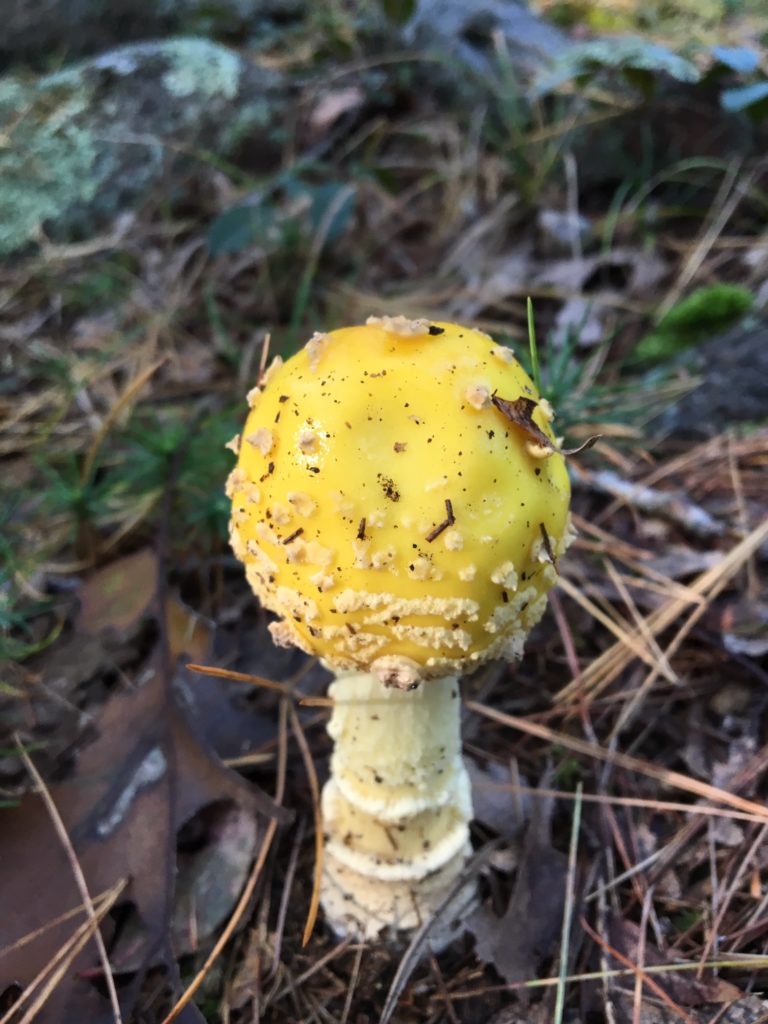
(84, 144)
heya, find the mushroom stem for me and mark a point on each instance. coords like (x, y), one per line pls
(396, 809)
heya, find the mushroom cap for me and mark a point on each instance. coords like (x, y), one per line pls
(386, 507)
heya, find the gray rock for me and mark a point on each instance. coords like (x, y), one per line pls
(734, 385)
(36, 29)
(466, 31)
(86, 143)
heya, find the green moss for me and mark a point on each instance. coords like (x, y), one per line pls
(697, 317)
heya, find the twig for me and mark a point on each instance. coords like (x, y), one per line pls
(314, 788)
(77, 872)
(282, 913)
(671, 505)
(352, 983)
(637, 1002)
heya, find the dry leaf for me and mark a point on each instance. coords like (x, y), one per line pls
(519, 411)
(141, 779)
(215, 852)
(517, 943)
(118, 595)
(188, 633)
(493, 802)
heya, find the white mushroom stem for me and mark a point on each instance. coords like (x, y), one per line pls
(396, 809)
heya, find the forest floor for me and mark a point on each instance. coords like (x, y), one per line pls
(620, 770)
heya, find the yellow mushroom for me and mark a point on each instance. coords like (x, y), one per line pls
(400, 503)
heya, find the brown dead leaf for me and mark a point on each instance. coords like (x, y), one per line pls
(135, 785)
(188, 633)
(517, 943)
(519, 411)
(211, 876)
(216, 849)
(118, 595)
(494, 802)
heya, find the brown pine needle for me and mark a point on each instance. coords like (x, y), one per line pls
(265, 346)
(626, 761)
(605, 669)
(671, 806)
(627, 638)
(642, 626)
(316, 702)
(55, 921)
(242, 677)
(639, 972)
(745, 963)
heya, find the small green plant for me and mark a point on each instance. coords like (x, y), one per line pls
(573, 383)
(569, 772)
(18, 608)
(122, 495)
(76, 507)
(191, 457)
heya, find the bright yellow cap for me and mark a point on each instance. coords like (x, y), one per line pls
(398, 500)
